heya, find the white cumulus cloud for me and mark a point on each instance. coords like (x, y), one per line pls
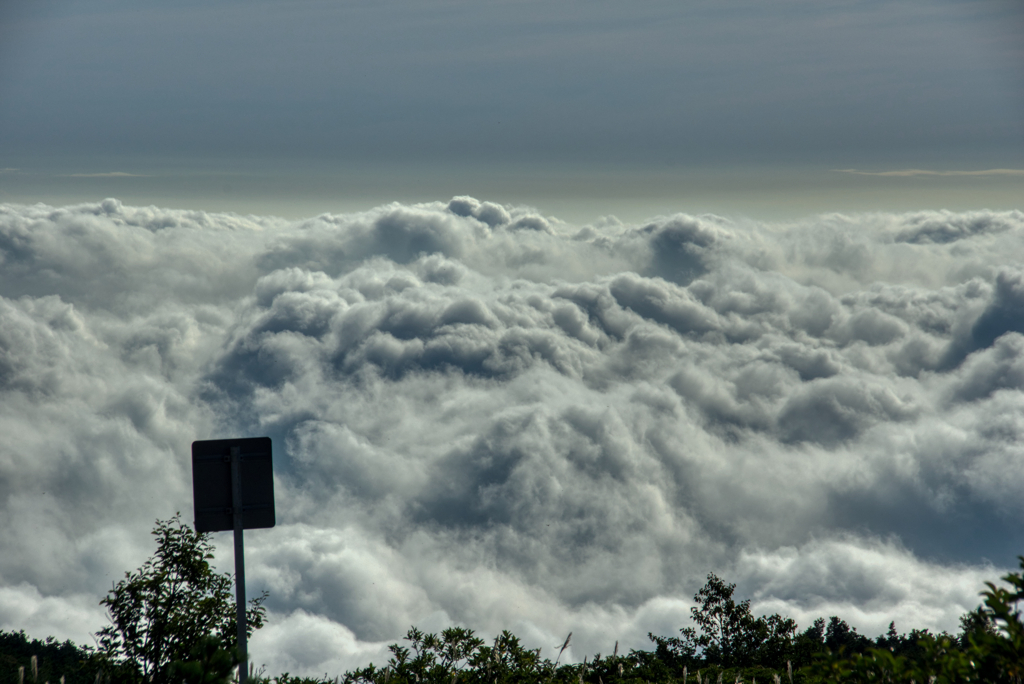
(489, 417)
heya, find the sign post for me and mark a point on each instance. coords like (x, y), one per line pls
(233, 489)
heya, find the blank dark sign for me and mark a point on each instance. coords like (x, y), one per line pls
(211, 483)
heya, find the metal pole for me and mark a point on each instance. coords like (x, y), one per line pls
(236, 502)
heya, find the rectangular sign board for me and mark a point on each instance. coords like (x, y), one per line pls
(211, 483)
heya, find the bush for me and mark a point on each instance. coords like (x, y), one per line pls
(167, 608)
(991, 649)
(53, 660)
(174, 623)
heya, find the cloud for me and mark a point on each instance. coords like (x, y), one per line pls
(485, 416)
(908, 173)
(872, 582)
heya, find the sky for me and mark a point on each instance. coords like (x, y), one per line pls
(550, 309)
(585, 108)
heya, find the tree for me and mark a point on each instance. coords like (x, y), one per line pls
(840, 635)
(729, 635)
(976, 623)
(457, 655)
(809, 643)
(1000, 646)
(161, 612)
(210, 664)
(990, 650)
(54, 660)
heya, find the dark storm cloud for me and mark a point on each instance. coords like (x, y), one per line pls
(486, 416)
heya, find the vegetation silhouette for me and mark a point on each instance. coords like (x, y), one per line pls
(173, 622)
(168, 610)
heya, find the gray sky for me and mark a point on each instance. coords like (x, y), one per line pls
(638, 92)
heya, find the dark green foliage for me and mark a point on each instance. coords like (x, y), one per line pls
(163, 610)
(727, 644)
(976, 623)
(839, 636)
(457, 655)
(989, 649)
(728, 639)
(286, 678)
(209, 663)
(727, 634)
(730, 635)
(53, 660)
(507, 661)
(809, 644)
(1000, 651)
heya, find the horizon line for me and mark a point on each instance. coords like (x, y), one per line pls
(906, 173)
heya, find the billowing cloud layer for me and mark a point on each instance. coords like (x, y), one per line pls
(485, 416)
